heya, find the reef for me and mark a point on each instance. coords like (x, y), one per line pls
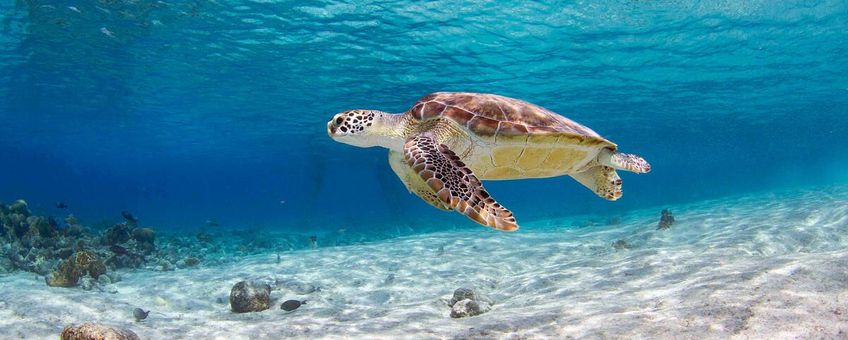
(68, 253)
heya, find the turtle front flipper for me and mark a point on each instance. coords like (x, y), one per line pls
(454, 183)
(413, 182)
(603, 180)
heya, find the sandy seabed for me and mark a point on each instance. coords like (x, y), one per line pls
(755, 266)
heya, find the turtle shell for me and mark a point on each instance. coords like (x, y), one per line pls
(489, 115)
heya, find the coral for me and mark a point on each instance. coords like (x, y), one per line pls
(96, 269)
(71, 220)
(41, 226)
(71, 270)
(20, 207)
(67, 275)
(191, 261)
(144, 235)
(117, 234)
(88, 262)
(204, 237)
(74, 231)
(37, 244)
(15, 225)
(64, 253)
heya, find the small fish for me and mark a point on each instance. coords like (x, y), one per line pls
(140, 314)
(74, 9)
(61, 205)
(106, 31)
(129, 217)
(212, 222)
(282, 202)
(291, 305)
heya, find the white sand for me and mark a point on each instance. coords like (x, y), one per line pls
(762, 266)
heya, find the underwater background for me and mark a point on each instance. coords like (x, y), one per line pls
(186, 111)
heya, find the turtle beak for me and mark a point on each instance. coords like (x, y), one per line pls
(330, 128)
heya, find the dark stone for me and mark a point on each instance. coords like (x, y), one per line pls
(666, 220)
(468, 307)
(462, 294)
(90, 331)
(250, 297)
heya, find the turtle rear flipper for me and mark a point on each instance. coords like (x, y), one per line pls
(603, 180)
(454, 184)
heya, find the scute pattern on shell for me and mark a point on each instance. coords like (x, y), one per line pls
(489, 114)
(455, 184)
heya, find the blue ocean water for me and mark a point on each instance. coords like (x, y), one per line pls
(192, 110)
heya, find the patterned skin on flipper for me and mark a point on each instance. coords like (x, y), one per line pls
(414, 183)
(603, 180)
(455, 184)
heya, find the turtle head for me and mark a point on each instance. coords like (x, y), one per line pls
(364, 128)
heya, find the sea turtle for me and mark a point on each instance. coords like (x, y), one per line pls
(448, 141)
